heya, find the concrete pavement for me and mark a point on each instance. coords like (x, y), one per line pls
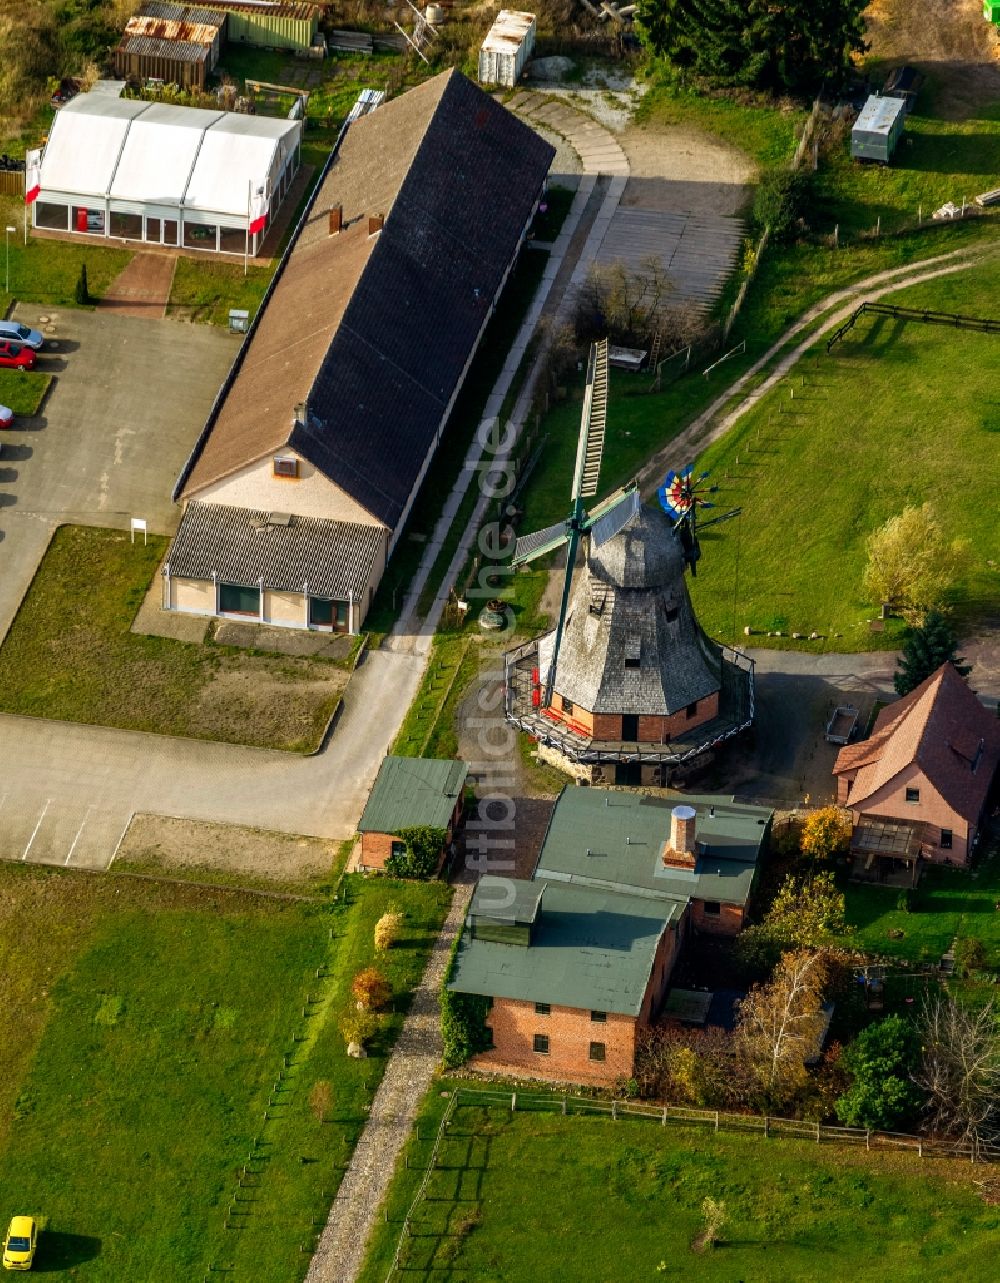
(126, 405)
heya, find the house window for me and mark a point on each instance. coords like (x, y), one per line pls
(599, 1017)
(913, 795)
(540, 1043)
(325, 613)
(567, 704)
(543, 1009)
(946, 839)
(597, 1051)
(398, 850)
(691, 710)
(286, 466)
(713, 908)
(234, 599)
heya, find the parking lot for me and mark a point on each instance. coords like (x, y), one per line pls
(127, 402)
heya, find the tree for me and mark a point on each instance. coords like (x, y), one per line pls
(82, 289)
(881, 1062)
(371, 989)
(764, 44)
(825, 833)
(925, 649)
(387, 930)
(970, 955)
(359, 1027)
(780, 1025)
(629, 305)
(912, 565)
(806, 913)
(782, 201)
(423, 846)
(690, 1067)
(960, 1068)
(715, 1216)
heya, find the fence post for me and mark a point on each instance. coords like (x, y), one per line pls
(614, 1110)
(817, 1131)
(564, 1106)
(513, 1101)
(920, 1149)
(767, 1127)
(868, 1140)
(663, 1120)
(716, 1120)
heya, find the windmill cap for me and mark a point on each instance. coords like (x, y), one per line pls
(684, 813)
(645, 553)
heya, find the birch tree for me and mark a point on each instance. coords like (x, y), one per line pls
(780, 1025)
(960, 1068)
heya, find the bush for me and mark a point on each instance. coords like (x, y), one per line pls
(906, 901)
(359, 1026)
(420, 860)
(463, 1020)
(371, 989)
(970, 955)
(782, 201)
(387, 930)
(825, 834)
(881, 1061)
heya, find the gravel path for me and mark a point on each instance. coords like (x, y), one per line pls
(408, 1075)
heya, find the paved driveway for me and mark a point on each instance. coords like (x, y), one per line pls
(126, 406)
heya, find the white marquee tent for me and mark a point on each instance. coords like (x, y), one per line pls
(152, 172)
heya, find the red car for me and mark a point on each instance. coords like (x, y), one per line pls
(15, 356)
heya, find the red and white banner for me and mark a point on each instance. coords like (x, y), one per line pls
(258, 211)
(32, 176)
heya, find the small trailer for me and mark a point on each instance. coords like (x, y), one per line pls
(842, 724)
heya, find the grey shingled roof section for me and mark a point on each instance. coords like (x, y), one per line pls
(606, 839)
(591, 948)
(412, 791)
(373, 334)
(238, 546)
(624, 594)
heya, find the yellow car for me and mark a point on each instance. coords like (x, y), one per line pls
(19, 1245)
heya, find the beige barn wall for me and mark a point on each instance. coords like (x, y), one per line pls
(288, 608)
(311, 494)
(194, 595)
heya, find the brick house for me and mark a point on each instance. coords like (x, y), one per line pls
(917, 788)
(577, 959)
(410, 792)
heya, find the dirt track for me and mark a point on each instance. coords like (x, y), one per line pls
(949, 39)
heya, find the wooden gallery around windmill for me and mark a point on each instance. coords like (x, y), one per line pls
(627, 688)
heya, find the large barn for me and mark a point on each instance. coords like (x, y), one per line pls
(165, 175)
(301, 483)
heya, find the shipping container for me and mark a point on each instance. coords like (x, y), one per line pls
(878, 129)
(507, 48)
(270, 26)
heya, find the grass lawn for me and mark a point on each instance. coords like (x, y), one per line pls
(23, 393)
(206, 291)
(80, 662)
(527, 1196)
(948, 903)
(46, 272)
(842, 445)
(146, 1025)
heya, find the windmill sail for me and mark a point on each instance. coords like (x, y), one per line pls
(542, 541)
(616, 518)
(595, 412)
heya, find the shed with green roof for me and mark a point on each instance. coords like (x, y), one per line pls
(408, 793)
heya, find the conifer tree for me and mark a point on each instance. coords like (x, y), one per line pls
(924, 651)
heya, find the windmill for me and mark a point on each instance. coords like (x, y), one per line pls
(604, 520)
(680, 498)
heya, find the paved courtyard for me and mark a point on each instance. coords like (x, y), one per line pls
(125, 408)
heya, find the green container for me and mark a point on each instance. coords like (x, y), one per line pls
(292, 27)
(991, 10)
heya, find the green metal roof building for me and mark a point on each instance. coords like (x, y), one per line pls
(410, 792)
(595, 931)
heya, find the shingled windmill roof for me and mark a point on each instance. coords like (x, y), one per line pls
(365, 338)
(632, 643)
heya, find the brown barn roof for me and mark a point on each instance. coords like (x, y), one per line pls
(941, 727)
(343, 366)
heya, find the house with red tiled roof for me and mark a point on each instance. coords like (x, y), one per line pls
(917, 788)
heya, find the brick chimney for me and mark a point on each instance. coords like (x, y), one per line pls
(679, 851)
(336, 219)
(375, 222)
